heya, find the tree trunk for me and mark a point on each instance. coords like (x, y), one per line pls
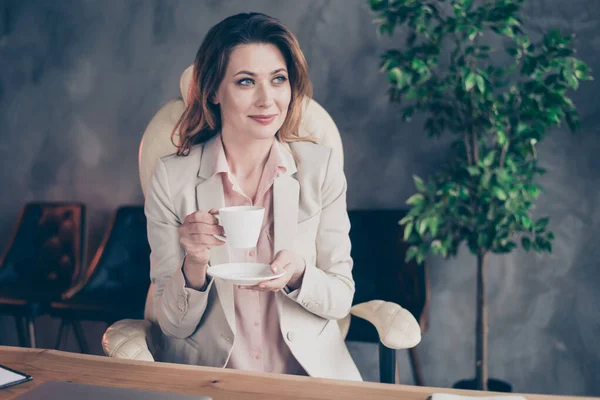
(481, 327)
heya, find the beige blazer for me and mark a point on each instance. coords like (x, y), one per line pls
(309, 206)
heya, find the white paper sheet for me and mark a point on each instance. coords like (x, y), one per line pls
(7, 377)
(448, 396)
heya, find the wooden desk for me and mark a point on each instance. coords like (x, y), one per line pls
(45, 365)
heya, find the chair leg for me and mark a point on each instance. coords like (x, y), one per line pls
(63, 324)
(416, 366)
(31, 331)
(83, 347)
(387, 364)
(20, 330)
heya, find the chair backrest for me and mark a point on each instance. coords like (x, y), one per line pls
(47, 247)
(380, 272)
(156, 141)
(122, 261)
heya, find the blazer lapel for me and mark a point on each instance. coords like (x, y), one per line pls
(286, 195)
(286, 191)
(209, 194)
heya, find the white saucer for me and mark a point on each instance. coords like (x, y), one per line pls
(247, 274)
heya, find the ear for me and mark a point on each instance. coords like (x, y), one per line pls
(214, 98)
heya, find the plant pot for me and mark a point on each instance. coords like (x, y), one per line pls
(494, 385)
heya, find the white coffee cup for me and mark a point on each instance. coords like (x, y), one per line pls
(241, 224)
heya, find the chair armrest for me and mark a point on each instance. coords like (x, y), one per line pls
(130, 339)
(397, 327)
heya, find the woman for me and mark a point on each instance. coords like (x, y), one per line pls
(239, 145)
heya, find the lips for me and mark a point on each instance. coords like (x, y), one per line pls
(264, 119)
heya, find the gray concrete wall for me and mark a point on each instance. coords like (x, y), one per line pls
(80, 79)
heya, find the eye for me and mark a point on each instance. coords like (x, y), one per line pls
(280, 79)
(245, 82)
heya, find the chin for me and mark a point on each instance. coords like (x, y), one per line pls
(264, 133)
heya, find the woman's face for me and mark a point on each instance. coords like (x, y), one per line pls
(255, 93)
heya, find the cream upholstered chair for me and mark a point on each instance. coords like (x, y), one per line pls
(137, 339)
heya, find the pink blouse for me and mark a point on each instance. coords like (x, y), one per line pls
(259, 344)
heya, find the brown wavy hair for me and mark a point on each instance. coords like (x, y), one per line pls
(201, 120)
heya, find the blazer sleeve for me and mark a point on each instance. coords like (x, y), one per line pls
(178, 309)
(327, 288)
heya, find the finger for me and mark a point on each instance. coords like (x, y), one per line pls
(205, 240)
(271, 286)
(257, 289)
(201, 216)
(275, 284)
(252, 287)
(205, 229)
(279, 265)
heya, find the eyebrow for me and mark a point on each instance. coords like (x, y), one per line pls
(254, 74)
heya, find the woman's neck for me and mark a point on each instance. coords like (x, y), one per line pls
(246, 157)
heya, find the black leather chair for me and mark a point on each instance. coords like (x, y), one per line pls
(43, 258)
(380, 272)
(116, 282)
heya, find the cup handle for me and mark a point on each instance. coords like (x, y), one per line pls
(221, 238)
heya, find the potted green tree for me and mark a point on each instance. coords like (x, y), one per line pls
(498, 105)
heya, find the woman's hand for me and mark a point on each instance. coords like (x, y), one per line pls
(196, 237)
(292, 264)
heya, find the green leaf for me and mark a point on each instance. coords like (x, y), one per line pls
(473, 170)
(485, 179)
(541, 224)
(470, 81)
(526, 243)
(542, 244)
(422, 226)
(499, 193)
(411, 253)
(480, 83)
(386, 65)
(420, 257)
(419, 184)
(572, 120)
(533, 191)
(489, 159)
(418, 65)
(394, 75)
(445, 247)
(570, 78)
(582, 71)
(404, 220)
(504, 30)
(502, 140)
(408, 230)
(376, 3)
(408, 113)
(522, 128)
(482, 240)
(472, 33)
(512, 51)
(415, 199)
(436, 247)
(433, 226)
(526, 222)
(550, 236)
(502, 176)
(512, 21)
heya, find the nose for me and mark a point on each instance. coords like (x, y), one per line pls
(264, 96)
